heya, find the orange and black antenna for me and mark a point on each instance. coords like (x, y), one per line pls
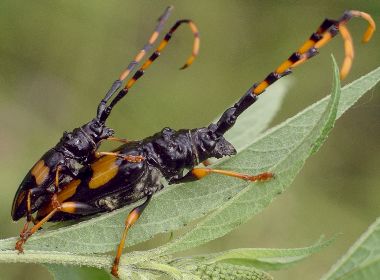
(153, 38)
(139, 73)
(140, 55)
(326, 31)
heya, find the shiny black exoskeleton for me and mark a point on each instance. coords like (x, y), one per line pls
(168, 157)
(74, 150)
(78, 148)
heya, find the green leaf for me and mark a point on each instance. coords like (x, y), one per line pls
(294, 142)
(174, 206)
(267, 259)
(362, 261)
(60, 272)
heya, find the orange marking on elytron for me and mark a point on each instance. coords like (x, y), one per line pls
(68, 190)
(104, 169)
(20, 198)
(40, 172)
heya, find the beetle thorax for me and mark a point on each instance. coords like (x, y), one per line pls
(172, 150)
(175, 151)
(82, 142)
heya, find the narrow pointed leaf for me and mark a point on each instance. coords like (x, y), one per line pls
(362, 261)
(268, 259)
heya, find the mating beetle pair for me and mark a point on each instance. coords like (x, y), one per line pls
(73, 179)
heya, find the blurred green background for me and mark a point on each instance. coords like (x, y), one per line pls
(58, 58)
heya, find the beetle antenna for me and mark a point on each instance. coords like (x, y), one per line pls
(140, 55)
(326, 31)
(103, 114)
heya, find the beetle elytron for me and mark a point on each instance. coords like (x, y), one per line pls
(136, 169)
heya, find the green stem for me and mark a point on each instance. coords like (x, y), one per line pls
(51, 257)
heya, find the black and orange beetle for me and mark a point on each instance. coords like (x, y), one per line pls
(79, 147)
(113, 181)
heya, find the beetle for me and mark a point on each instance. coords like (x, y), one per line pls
(111, 181)
(79, 147)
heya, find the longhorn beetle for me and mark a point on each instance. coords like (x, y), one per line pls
(79, 147)
(113, 181)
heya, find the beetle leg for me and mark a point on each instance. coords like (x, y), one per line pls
(132, 217)
(56, 182)
(130, 158)
(29, 217)
(66, 207)
(29, 206)
(199, 173)
(116, 139)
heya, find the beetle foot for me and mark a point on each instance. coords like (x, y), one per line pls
(131, 158)
(114, 271)
(260, 177)
(20, 243)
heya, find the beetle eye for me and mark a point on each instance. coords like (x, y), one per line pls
(95, 125)
(66, 136)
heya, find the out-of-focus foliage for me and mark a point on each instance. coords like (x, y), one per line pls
(362, 261)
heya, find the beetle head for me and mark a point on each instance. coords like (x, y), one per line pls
(83, 141)
(208, 144)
